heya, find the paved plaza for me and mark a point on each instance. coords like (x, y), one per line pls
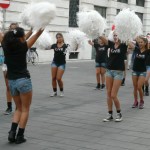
(74, 122)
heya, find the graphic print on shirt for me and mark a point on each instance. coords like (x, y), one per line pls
(140, 56)
(115, 51)
(101, 49)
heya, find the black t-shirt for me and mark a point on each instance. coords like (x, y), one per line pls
(139, 63)
(116, 56)
(59, 53)
(148, 58)
(101, 53)
(15, 59)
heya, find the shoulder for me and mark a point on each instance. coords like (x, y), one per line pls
(110, 43)
(53, 46)
(96, 45)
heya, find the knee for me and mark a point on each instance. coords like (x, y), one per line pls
(113, 96)
(97, 73)
(146, 82)
(58, 79)
(19, 108)
(54, 78)
(139, 88)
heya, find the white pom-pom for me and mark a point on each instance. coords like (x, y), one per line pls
(44, 41)
(39, 15)
(110, 36)
(91, 23)
(75, 39)
(25, 15)
(128, 25)
(42, 14)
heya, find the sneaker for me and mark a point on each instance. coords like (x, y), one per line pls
(141, 106)
(61, 94)
(118, 117)
(146, 93)
(98, 87)
(109, 118)
(103, 87)
(135, 105)
(53, 94)
(8, 111)
(20, 139)
(11, 136)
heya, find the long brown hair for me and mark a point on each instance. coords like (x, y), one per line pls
(60, 34)
(145, 41)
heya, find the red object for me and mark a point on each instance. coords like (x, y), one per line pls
(4, 4)
(113, 27)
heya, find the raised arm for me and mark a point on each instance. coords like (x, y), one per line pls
(28, 34)
(131, 44)
(33, 38)
(1, 36)
(91, 43)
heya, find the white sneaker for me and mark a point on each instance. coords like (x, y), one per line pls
(61, 94)
(53, 94)
(108, 118)
(118, 117)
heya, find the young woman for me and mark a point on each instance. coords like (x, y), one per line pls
(58, 64)
(4, 69)
(100, 59)
(146, 90)
(15, 48)
(139, 71)
(114, 76)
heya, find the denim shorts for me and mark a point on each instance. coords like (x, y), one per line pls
(97, 65)
(148, 68)
(20, 86)
(115, 74)
(60, 66)
(135, 73)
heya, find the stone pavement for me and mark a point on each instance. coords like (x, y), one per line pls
(75, 121)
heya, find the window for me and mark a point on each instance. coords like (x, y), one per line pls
(123, 1)
(73, 9)
(140, 16)
(101, 10)
(73, 55)
(140, 3)
(118, 10)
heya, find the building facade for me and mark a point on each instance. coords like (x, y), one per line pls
(66, 18)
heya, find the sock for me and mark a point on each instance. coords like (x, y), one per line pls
(20, 132)
(14, 126)
(123, 80)
(55, 89)
(9, 105)
(143, 88)
(146, 88)
(98, 85)
(118, 111)
(142, 100)
(110, 112)
(136, 100)
(61, 89)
